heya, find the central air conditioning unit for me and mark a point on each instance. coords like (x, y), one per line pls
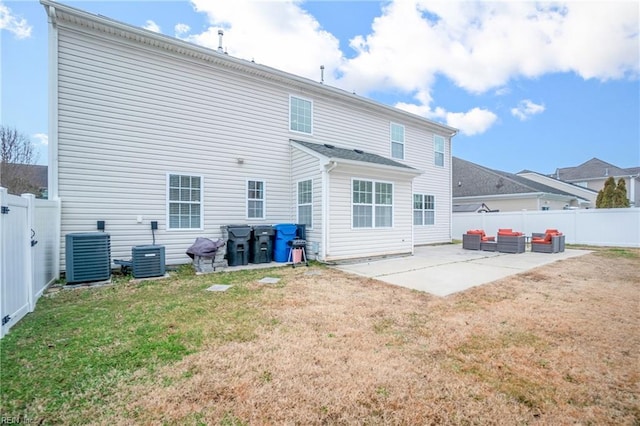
(88, 257)
(147, 261)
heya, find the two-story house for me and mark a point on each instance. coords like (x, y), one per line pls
(145, 127)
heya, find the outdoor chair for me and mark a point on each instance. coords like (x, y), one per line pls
(475, 238)
(510, 241)
(551, 241)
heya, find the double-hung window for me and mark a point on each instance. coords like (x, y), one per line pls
(255, 199)
(184, 201)
(305, 203)
(372, 204)
(397, 141)
(438, 150)
(424, 209)
(300, 115)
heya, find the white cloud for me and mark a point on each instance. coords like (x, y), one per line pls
(479, 46)
(472, 122)
(42, 138)
(279, 34)
(18, 26)
(526, 109)
(152, 26)
(182, 29)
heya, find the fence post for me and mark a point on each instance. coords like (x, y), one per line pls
(3, 251)
(29, 268)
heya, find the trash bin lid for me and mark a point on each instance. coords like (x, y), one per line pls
(263, 230)
(241, 232)
(286, 228)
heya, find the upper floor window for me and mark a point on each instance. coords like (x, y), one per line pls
(372, 204)
(300, 115)
(424, 209)
(397, 141)
(255, 199)
(438, 150)
(305, 203)
(184, 201)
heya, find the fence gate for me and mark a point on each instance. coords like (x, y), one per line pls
(14, 260)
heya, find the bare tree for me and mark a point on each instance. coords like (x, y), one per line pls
(18, 155)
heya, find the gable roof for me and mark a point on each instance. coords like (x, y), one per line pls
(592, 169)
(346, 155)
(470, 179)
(59, 12)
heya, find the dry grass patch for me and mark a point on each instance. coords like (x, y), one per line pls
(555, 345)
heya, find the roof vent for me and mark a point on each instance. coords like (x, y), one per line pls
(329, 146)
(220, 34)
(358, 151)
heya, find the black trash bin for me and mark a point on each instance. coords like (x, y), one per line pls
(238, 244)
(261, 244)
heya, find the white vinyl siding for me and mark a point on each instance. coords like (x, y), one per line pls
(305, 203)
(397, 141)
(300, 115)
(438, 150)
(255, 199)
(424, 209)
(346, 241)
(372, 204)
(184, 201)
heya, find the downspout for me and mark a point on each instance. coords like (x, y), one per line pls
(326, 169)
(52, 172)
(53, 104)
(451, 136)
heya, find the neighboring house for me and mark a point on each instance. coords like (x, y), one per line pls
(475, 184)
(594, 173)
(24, 178)
(146, 127)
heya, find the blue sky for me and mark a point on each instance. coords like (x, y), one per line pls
(530, 85)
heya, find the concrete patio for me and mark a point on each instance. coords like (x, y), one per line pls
(446, 269)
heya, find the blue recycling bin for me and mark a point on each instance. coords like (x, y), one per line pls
(285, 232)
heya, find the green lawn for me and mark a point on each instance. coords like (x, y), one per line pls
(67, 355)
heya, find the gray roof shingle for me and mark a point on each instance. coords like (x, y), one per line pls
(332, 151)
(592, 169)
(470, 179)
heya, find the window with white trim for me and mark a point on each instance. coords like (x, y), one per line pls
(305, 203)
(372, 204)
(397, 141)
(438, 150)
(300, 115)
(424, 209)
(184, 201)
(255, 199)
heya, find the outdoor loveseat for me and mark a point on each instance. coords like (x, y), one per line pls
(510, 241)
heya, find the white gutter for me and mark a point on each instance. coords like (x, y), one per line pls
(326, 189)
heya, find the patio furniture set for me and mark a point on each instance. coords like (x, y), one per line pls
(510, 241)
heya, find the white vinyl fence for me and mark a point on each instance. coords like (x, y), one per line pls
(29, 253)
(597, 227)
